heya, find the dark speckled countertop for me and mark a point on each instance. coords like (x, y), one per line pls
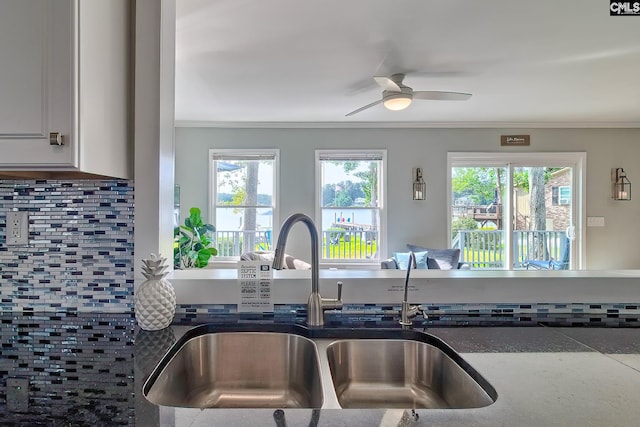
(85, 369)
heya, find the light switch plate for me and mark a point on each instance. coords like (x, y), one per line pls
(595, 221)
(17, 228)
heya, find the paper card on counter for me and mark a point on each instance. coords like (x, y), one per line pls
(254, 282)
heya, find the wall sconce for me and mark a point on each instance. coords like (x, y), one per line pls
(419, 186)
(621, 184)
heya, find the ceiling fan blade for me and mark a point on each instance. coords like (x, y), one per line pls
(387, 84)
(364, 108)
(436, 95)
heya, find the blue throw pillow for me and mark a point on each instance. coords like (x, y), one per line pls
(402, 258)
(439, 259)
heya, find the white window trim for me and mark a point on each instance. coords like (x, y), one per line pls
(382, 248)
(575, 160)
(213, 185)
(562, 201)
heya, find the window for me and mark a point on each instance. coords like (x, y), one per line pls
(561, 195)
(243, 200)
(513, 211)
(350, 200)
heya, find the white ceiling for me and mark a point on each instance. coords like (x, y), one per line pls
(534, 62)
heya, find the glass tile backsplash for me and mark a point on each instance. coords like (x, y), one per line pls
(80, 251)
(80, 259)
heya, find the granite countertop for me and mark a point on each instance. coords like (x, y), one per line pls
(85, 369)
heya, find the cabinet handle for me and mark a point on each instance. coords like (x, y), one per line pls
(55, 138)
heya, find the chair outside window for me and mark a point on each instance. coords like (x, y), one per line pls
(553, 264)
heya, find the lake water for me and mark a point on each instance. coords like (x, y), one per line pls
(227, 220)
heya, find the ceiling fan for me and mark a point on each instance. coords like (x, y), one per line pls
(397, 96)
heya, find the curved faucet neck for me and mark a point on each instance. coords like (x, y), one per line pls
(282, 240)
(412, 261)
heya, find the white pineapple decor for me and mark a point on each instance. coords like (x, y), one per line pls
(155, 299)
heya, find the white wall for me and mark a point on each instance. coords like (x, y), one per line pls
(615, 246)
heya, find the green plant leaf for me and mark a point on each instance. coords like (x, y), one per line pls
(203, 230)
(185, 227)
(193, 246)
(203, 258)
(194, 218)
(184, 241)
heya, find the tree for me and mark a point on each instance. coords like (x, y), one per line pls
(499, 189)
(251, 200)
(479, 184)
(343, 199)
(462, 224)
(341, 194)
(368, 185)
(328, 195)
(537, 206)
(244, 181)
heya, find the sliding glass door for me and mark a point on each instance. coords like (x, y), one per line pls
(517, 212)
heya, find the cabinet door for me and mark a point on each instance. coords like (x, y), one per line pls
(36, 83)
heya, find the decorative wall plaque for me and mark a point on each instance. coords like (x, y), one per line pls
(515, 139)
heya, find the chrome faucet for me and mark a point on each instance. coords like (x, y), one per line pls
(316, 305)
(408, 311)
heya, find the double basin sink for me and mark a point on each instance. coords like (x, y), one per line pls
(291, 366)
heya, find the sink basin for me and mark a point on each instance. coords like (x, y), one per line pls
(391, 373)
(239, 370)
(292, 366)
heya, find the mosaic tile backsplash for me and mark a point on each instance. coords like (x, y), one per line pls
(80, 259)
(379, 315)
(80, 252)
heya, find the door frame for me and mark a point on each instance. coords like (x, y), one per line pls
(576, 160)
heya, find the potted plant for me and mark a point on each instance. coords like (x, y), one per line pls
(193, 244)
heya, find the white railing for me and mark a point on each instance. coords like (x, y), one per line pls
(336, 244)
(485, 248)
(229, 243)
(481, 249)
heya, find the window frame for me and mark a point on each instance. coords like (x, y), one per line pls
(244, 154)
(563, 200)
(576, 160)
(557, 199)
(353, 154)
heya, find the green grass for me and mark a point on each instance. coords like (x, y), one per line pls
(354, 249)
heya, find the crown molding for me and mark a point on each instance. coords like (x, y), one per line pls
(407, 125)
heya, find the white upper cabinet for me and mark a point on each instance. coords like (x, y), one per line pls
(65, 70)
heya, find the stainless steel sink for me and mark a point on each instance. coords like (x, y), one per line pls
(239, 370)
(387, 373)
(290, 366)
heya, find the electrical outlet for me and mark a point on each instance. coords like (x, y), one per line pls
(17, 228)
(17, 394)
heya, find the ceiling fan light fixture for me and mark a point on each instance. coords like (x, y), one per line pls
(397, 101)
(396, 96)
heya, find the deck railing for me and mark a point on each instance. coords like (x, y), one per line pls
(229, 242)
(481, 249)
(336, 244)
(485, 248)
